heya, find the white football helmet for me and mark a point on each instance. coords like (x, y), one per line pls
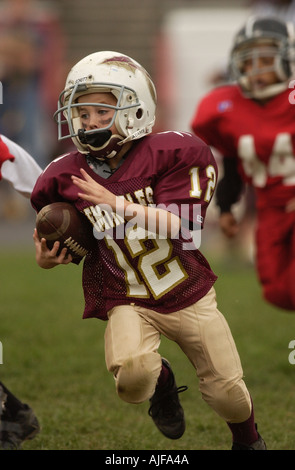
(134, 115)
(263, 37)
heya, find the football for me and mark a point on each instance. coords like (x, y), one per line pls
(61, 221)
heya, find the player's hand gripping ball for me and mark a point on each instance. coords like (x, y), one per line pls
(61, 221)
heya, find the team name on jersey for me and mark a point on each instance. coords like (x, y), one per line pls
(104, 219)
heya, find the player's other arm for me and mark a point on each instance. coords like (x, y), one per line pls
(228, 192)
(158, 221)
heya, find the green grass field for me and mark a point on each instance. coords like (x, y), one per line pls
(54, 360)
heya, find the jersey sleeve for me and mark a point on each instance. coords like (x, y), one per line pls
(44, 192)
(48, 187)
(204, 122)
(55, 184)
(210, 120)
(18, 167)
(187, 186)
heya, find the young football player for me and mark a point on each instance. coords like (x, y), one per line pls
(145, 275)
(252, 124)
(17, 420)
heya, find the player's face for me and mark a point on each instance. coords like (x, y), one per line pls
(97, 117)
(258, 66)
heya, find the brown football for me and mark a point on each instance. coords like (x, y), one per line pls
(61, 221)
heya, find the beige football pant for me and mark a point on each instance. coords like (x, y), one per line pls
(132, 339)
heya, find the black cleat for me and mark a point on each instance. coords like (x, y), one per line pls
(18, 428)
(166, 410)
(257, 445)
(3, 398)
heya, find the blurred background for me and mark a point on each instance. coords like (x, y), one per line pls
(184, 44)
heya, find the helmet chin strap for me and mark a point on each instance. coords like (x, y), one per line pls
(101, 145)
(270, 91)
(267, 92)
(97, 139)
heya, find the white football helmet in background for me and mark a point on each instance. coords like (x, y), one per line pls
(134, 90)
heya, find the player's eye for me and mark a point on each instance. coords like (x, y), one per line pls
(103, 111)
(266, 60)
(248, 63)
(83, 113)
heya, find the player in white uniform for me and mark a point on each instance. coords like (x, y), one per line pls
(17, 420)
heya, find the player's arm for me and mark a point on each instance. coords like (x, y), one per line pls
(228, 192)
(164, 223)
(159, 221)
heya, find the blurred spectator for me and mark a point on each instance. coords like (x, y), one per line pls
(32, 50)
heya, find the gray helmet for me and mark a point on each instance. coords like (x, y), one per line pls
(263, 37)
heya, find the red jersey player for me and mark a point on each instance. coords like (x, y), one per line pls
(145, 275)
(252, 124)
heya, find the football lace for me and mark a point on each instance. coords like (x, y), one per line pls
(75, 247)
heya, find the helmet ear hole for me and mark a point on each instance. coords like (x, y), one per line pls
(139, 113)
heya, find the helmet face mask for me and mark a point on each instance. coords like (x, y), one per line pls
(261, 53)
(133, 113)
(268, 44)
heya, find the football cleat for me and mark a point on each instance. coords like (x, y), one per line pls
(3, 397)
(14, 430)
(166, 410)
(257, 445)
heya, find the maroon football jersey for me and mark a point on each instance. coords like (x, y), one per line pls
(260, 136)
(171, 169)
